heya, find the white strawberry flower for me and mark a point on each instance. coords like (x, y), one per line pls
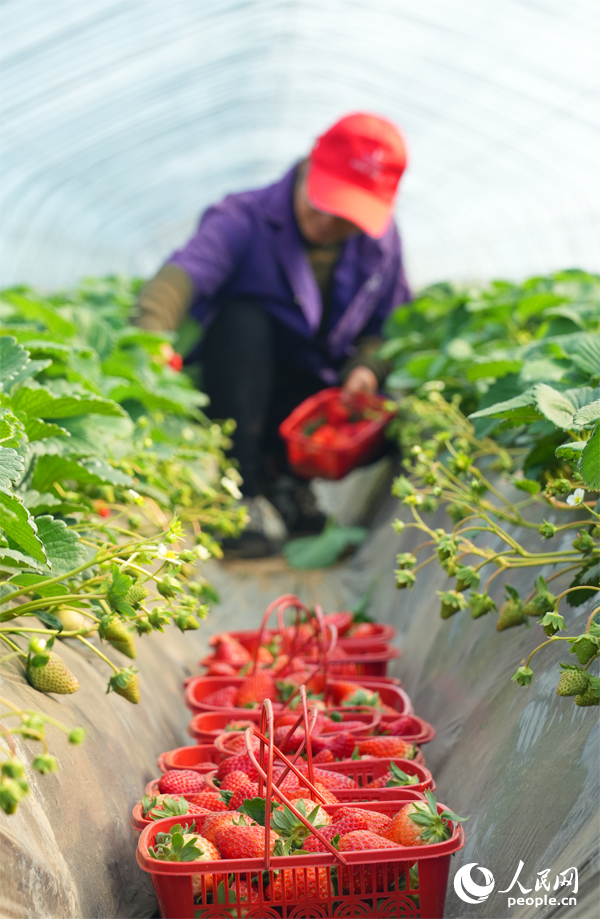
(576, 498)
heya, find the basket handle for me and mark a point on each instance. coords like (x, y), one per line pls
(267, 722)
(280, 604)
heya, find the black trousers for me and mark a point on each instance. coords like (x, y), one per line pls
(249, 376)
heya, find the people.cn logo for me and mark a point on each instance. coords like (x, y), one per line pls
(467, 889)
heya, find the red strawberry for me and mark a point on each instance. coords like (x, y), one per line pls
(329, 778)
(364, 630)
(249, 790)
(342, 745)
(255, 689)
(222, 698)
(364, 840)
(180, 782)
(386, 748)
(244, 841)
(176, 362)
(431, 828)
(376, 822)
(300, 886)
(231, 651)
(355, 822)
(234, 780)
(209, 825)
(238, 725)
(328, 795)
(324, 756)
(209, 799)
(220, 668)
(395, 776)
(264, 656)
(165, 806)
(293, 743)
(343, 690)
(241, 762)
(404, 726)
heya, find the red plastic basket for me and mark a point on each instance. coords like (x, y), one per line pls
(418, 730)
(309, 459)
(198, 757)
(207, 725)
(198, 687)
(376, 882)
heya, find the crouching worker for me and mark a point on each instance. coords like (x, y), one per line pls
(291, 283)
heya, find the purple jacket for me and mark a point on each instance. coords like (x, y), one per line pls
(249, 245)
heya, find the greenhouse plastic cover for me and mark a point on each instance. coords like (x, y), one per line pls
(123, 119)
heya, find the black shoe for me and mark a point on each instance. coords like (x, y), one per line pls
(297, 505)
(265, 531)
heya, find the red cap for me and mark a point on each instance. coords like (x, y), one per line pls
(354, 170)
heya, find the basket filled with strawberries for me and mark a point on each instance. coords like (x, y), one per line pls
(332, 432)
(288, 847)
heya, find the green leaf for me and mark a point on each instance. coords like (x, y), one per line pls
(63, 546)
(586, 355)
(39, 402)
(12, 467)
(554, 405)
(586, 578)
(54, 468)
(517, 410)
(11, 429)
(30, 370)
(13, 358)
(13, 555)
(493, 369)
(255, 809)
(18, 524)
(570, 451)
(53, 622)
(588, 414)
(38, 311)
(589, 464)
(324, 549)
(36, 429)
(528, 485)
(119, 586)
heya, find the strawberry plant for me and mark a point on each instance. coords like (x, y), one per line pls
(505, 390)
(113, 484)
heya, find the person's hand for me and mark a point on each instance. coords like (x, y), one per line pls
(360, 380)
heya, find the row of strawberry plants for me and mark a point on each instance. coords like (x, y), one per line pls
(500, 390)
(114, 486)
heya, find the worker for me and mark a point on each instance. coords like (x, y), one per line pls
(291, 284)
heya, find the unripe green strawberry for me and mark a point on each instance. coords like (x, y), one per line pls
(452, 602)
(12, 768)
(480, 605)
(186, 622)
(135, 594)
(119, 636)
(585, 648)
(12, 791)
(539, 604)
(589, 697)
(54, 676)
(584, 542)
(74, 621)
(511, 614)
(573, 681)
(125, 683)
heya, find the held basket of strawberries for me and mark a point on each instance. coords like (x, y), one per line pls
(331, 433)
(284, 854)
